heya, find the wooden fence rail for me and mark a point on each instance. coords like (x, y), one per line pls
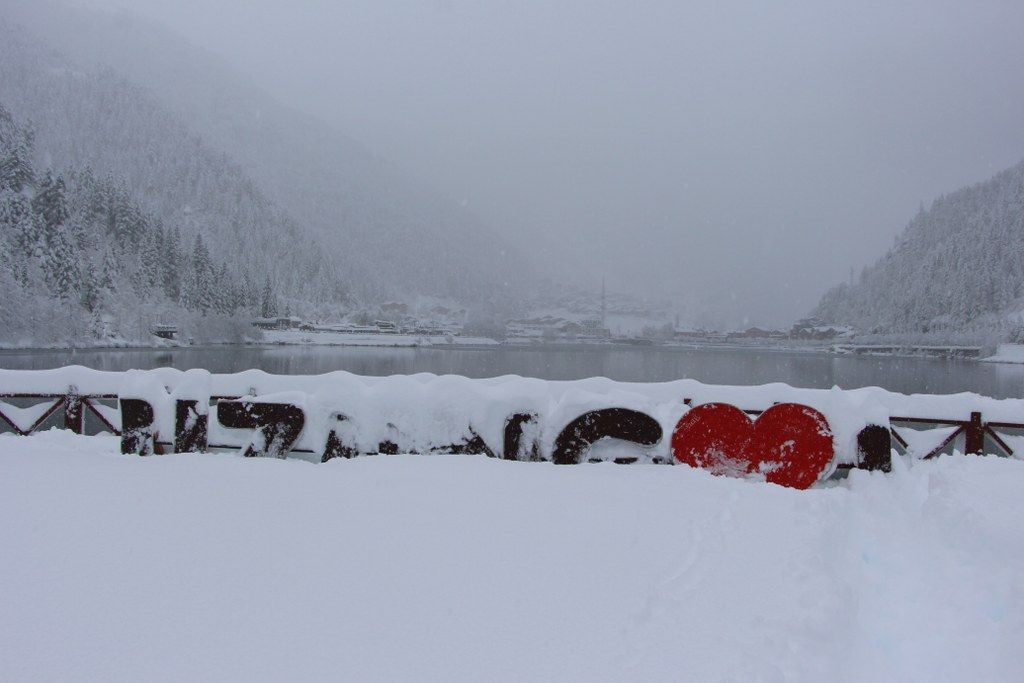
(74, 405)
(974, 430)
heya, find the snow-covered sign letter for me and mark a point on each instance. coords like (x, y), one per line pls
(611, 423)
(789, 444)
(277, 425)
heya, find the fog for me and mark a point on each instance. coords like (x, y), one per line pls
(739, 158)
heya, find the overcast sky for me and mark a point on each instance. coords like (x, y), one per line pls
(747, 154)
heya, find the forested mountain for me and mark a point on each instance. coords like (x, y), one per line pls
(388, 235)
(98, 120)
(80, 260)
(959, 265)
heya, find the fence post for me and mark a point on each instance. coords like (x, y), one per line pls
(974, 433)
(73, 410)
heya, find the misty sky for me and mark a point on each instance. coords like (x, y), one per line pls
(742, 155)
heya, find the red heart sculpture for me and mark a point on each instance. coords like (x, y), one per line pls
(789, 444)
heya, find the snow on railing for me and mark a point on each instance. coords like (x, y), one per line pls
(798, 436)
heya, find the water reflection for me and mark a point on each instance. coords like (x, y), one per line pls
(718, 366)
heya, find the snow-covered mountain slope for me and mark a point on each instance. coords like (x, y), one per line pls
(214, 567)
(959, 264)
(389, 232)
(96, 119)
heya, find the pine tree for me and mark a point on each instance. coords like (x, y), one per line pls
(126, 221)
(247, 295)
(49, 202)
(90, 296)
(17, 224)
(49, 241)
(93, 202)
(172, 264)
(29, 234)
(152, 261)
(60, 265)
(16, 172)
(106, 284)
(223, 296)
(268, 302)
(198, 292)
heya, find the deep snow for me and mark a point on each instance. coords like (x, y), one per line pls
(467, 568)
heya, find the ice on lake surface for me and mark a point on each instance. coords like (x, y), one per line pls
(649, 364)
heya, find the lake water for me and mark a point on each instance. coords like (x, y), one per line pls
(642, 364)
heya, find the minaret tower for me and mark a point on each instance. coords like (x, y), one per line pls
(603, 307)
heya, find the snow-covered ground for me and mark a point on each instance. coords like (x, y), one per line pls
(1007, 353)
(214, 567)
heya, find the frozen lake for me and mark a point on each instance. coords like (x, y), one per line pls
(641, 364)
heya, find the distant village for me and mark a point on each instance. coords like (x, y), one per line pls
(442, 321)
(561, 314)
(388, 318)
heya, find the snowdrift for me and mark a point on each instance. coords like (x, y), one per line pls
(211, 567)
(424, 410)
(1007, 353)
(799, 436)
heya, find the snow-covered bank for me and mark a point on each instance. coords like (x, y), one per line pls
(90, 344)
(214, 567)
(191, 330)
(1007, 353)
(349, 339)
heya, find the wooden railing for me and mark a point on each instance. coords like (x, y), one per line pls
(974, 431)
(73, 403)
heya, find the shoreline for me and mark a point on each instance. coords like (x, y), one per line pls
(1007, 353)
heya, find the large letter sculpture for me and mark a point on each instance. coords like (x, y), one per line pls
(336, 446)
(874, 448)
(137, 434)
(519, 438)
(190, 426)
(614, 423)
(277, 425)
(789, 444)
